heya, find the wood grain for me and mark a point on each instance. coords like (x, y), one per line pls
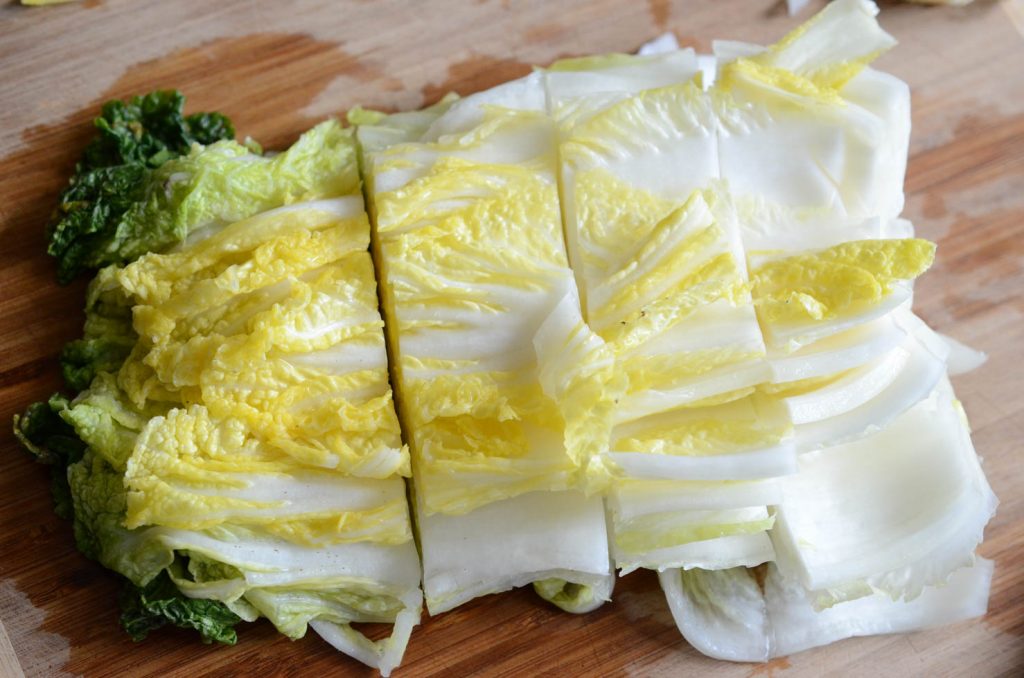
(9, 666)
(278, 67)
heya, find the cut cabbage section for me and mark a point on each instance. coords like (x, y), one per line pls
(224, 182)
(789, 164)
(248, 444)
(831, 293)
(469, 247)
(744, 438)
(658, 256)
(504, 391)
(653, 238)
(288, 340)
(791, 133)
(894, 512)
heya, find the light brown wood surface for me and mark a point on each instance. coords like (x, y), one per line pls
(278, 67)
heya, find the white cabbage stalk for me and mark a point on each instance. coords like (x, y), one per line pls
(797, 625)
(895, 511)
(664, 43)
(837, 352)
(530, 538)
(867, 398)
(803, 125)
(722, 613)
(782, 241)
(726, 614)
(842, 376)
(743, 439)
(659, 524)
(504, 390)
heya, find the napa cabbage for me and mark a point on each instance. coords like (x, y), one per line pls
(504, 391)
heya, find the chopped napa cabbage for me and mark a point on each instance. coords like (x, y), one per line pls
(962, 358)
(744, 549)
(467, 292)
(798, 626)
(469, 245)
(107, 421)
(244, 452)
(254, 572)
(830, 292)
(108, 336)
(97, 490)
(664, 43)
(843, 411)
(673, 528)
(831, 48)
(574, 597)
(837, 352)
(790, 164)
(621, 296)
(721, 613)
(655, 247)
(818, 398)
(160, 602)
(224, 182)
(90, 227)
(290, 343)
(803, 123)
(895, 511)
(741, 439)
(654, 243)
(191, 471)
(503, 389)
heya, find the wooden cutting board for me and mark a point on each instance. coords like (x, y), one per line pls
(278, 67)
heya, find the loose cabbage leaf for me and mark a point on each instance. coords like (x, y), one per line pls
(133, 138)
(45, 435)
(145, 609)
